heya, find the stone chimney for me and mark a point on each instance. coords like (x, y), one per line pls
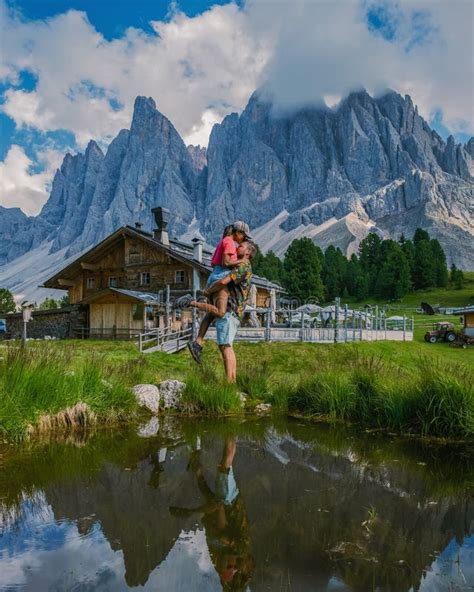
(162, 217)
(197, 249)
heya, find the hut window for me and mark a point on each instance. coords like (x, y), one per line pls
(179, 277)
(134, 256)
(112, 282)
(145, 278)
(90, 283)
(137, 312)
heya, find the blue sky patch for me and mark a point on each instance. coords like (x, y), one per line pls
(380, 21)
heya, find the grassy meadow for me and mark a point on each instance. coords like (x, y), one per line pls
(407, 387)
(410, 387)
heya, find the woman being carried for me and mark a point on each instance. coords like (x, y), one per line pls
(224, 261)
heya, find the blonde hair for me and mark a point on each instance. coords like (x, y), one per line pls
(252, 248)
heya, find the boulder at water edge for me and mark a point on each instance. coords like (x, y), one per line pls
(171, 393)
(148, 395)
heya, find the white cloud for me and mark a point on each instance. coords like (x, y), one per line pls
(198, 69)
(18, 186)
(191, 66)
(326, 48)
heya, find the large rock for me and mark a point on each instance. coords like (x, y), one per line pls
(167, 395)
(148, 395)
(171, 393)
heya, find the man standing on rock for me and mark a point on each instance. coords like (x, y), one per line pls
(237, 283)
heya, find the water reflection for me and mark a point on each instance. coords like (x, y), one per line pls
(229, 505)
(224, 518)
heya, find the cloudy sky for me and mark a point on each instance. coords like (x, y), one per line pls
(71, 69)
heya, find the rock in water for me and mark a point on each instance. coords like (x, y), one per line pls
(263, 408)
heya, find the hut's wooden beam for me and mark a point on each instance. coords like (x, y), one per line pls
(67, 283)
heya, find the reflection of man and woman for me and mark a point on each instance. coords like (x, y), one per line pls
(225, 519)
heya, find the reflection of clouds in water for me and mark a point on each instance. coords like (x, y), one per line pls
(446, 574)
(187, 567)
(42, 554)
(48, 555)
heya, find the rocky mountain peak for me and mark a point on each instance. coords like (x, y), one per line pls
(331, 174)
(198, 156)
(93, 150)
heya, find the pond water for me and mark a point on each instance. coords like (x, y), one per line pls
(254, 505)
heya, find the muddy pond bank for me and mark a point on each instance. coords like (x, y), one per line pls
(212, 504)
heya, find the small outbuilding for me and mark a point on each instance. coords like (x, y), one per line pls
(467, 314)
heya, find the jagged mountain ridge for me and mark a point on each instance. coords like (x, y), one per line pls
(375, 158)
(332, 174)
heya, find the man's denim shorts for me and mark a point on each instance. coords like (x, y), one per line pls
(218, 273)
(226, 487)
(226, 329)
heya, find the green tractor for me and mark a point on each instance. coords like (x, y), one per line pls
(442, 331)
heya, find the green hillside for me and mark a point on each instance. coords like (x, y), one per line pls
(444, 297)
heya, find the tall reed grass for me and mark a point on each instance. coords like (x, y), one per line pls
(37, 383)
(433, 399)
(207, 392)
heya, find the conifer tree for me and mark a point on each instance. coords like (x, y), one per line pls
(424, 270)
(268, 266)
(456, 277)
(333, 272)
(64, 301)
(356, 280)
(48, 304)
(420, 235)
(302, 270)
(273, 267)
(7, 303)
(369, 257)
(439, 261)
(409, 250)
(393, 278)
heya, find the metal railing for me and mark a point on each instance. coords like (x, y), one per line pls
(165, 339)
(340, 325)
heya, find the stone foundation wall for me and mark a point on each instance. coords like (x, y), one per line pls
(59, 323)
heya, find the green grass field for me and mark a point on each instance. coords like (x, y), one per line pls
(407, 387)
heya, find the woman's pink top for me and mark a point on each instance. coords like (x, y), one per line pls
(225, 247)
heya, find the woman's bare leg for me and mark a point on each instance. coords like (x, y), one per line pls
(203, 327)
(216, 308)
(218, 305)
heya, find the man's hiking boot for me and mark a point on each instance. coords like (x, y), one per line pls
(195, 350)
